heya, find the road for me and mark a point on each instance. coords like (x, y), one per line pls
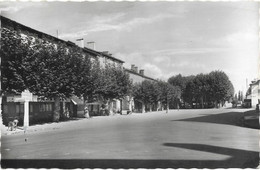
(211, 138)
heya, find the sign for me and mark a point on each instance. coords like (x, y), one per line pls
(10, 99)
(26, 95)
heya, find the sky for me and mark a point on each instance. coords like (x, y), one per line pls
(163, 38)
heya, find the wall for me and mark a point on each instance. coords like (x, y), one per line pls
(255, 93)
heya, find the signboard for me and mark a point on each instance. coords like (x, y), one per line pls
(26, 95)
(10, 98)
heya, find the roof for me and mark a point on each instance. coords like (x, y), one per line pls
(133, 72)
(255, 82)
(101, 54)
(16, 25)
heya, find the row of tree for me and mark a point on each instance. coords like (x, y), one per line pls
(204, 90)
(56, 71)
(157, 94)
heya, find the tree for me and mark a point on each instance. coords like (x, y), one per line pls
(181, 82)
(46, 69)
(12, 51)
(204, 88)
(149, 93)
(145, 93)
(53, 71)
(112, 83)
(200, 89)
(167, 93)
(221, 88)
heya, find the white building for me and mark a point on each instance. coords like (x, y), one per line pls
(255, 92)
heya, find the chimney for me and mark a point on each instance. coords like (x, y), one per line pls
(105, 52)
(80, 42)
(141, 72)
(91, 45)
(136, 69)
(132, 67)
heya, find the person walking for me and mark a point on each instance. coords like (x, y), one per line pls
(86, 112)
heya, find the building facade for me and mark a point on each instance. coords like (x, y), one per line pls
(137, 76)
(255, 93)
(104, 58)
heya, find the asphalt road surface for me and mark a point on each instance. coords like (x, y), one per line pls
(211, 138)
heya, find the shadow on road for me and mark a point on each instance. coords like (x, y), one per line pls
(239, 159)
(228, 118)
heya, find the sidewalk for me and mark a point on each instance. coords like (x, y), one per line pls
(49, 126)
(251, 119)
(30, 129)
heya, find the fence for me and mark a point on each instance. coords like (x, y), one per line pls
(39, 112)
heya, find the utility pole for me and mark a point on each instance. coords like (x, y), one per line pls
(57, 32)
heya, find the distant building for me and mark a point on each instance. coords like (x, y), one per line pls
(137, 76)
(255, 92)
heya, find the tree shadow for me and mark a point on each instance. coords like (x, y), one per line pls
(239, 158)
(229, 118)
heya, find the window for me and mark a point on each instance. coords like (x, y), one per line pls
(43, 107)
(5, 109)
(17, 109)
(50, 107)
(31, 108)
(22, 108)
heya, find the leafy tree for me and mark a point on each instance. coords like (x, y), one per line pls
(143, 93)
(112, 83)
(167, 93)
(12, 51)
(48, 70)
(221, 88)
(150, 93)
(181, 82)
(204, 88)
(201, 88)
(53, 72)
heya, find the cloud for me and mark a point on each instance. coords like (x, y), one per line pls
(113, 22)
(152, 70)
(186, 51)
(139, 21)
(13, 7)
(240, 39)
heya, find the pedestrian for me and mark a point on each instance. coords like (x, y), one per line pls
(86, 112)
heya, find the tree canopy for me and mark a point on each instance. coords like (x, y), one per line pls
(204, 89)
(54, 70)
(152, 92)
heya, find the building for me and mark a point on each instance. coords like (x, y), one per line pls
(255, 93)
(104, 58)
(137, 76)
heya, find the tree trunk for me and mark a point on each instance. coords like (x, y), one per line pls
(150, 107)
(86, 109)
(216, 104)
(202, 103)
(143, 107)
(63, 115)
(130, 104)
(56, 114)
(167, 107)
(110, 107)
